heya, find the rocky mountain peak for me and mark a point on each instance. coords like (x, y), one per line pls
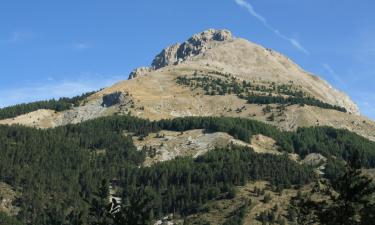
(211, 35)
(219, 50)
(195, 45)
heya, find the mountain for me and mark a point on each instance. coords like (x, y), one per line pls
(183, 81)
(217, 130)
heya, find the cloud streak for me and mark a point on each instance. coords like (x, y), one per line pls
(17, 37)
(334, 74)
(365, 102)
(81, 46)
(295, 43)
(55, 88)
(251, 10)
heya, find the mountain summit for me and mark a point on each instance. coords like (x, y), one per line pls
(246, 60)
(196, 45)
(177, 53)
(214, 73)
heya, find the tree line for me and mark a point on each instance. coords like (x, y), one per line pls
(258, 99)
(254, 94)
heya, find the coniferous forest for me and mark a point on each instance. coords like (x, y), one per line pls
(63, 174)
(254, 94)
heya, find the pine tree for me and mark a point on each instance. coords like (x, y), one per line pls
(100, 206)
(349, 197)
(299, 210)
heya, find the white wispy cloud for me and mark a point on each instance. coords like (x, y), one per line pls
(55, 88)
(81, 46)
(334, 75)
(17, 36)
(298, 45)
(250, 8)
(263, 20)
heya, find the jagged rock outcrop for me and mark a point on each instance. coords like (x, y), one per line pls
(141, 71)
(195, 45)
(167, 56)
(176, 53)
(113, 99)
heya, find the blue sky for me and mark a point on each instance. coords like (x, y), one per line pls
(63, 48)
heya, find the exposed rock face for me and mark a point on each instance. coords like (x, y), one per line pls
(113, 99)
(195, 45)
(168, 56)
(176, 53)
(141, 71)
(314, 159)
(167, 145)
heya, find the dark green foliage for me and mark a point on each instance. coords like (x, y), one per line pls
(368, 214)
(184, 183)
(240, 128)
(271, 217)
(138, 209)
(237, 216)
(254, 94)
(327, 141)
(7, 220)
(57, 105)
(228, 84)
(58, 171)
(349, 198)
(334, 168)
(333, 142)
(267, 217)
(300, 210)
(352, 192)
(256, 99)
(100, 206)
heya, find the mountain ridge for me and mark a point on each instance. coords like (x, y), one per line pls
(198, 48)
(154, 93)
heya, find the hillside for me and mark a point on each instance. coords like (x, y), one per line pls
(83, 163)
